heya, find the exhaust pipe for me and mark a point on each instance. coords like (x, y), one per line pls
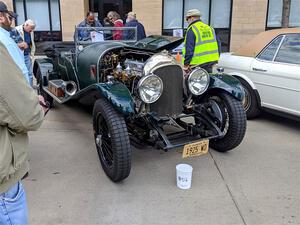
(69, 87)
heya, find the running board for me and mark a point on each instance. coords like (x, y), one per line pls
(60, 100)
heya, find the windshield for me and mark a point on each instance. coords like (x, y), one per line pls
(87, 35)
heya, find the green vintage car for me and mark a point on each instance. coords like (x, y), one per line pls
(142, 98)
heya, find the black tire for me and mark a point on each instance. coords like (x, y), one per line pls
(230, 118)
(40, 90)
(250, 102)
(112, 140)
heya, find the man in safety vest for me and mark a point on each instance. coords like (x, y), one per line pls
(200, 44)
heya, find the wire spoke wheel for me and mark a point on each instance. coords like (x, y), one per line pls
(229, 115)
(112, 140)
(219, 113)
(103, 142)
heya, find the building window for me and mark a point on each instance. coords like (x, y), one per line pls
(216, 13)
(294, 14)
(275, 14)
(172, 10)
(46, 15)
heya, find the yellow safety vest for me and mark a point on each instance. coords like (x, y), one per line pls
(206, 45)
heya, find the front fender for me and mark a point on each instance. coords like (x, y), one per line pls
(227, 83)
(44, 64)
(116, 93)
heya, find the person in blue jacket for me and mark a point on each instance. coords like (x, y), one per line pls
(131, 21)
(89, 22)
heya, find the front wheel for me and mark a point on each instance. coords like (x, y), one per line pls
(229, 115)
(112, 140)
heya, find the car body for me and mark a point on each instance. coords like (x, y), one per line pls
(141, 96)
(269, 69)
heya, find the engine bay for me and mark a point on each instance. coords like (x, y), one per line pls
(123, 65)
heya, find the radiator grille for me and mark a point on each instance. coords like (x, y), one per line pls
(170, 102)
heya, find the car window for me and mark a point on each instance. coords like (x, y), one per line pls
(289, 51)
(269, 52)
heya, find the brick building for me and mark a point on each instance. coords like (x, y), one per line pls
(235, 21)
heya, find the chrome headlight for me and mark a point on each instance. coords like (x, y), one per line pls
(198, 81)
(150, 88)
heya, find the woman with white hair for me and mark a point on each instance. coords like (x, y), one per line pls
(115, 18)
(26, 32)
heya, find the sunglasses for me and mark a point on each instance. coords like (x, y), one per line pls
(187, 19)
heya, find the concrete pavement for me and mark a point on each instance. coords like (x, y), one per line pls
(257, 183)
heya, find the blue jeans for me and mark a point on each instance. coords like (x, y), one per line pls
(13, 206)
(29, 67)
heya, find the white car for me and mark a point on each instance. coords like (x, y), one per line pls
(269, 69)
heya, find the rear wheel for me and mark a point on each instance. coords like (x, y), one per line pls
(112, 140)
(40, 89)
(250, 102)
(228, 114)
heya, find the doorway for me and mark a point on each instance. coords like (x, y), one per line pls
(102, 7)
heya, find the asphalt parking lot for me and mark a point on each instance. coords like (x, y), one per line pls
(257, 183)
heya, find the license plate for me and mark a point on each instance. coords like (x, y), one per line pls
(195, 149)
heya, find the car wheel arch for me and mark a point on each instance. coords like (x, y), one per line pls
(254, 92)
(35, 68)
(240, 76)
(245, 78)
(44, 64)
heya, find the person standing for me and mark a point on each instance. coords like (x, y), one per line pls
(26, 32)
(84, 34)
(6, 18)
(108, 34)
(200, 43)
(20, 112)
(131, 21)
(115, 18)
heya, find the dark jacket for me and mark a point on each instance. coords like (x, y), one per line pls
(140, 30)
(84, 34)
(15, 35)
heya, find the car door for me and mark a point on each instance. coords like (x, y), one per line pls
(276, 74)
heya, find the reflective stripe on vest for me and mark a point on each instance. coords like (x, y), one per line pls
(206, 45)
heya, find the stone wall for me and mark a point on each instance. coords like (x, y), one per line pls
(149, 13)
(248, 19)
(72, 13)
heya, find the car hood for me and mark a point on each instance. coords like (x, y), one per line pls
(225, 57)
(157, 43)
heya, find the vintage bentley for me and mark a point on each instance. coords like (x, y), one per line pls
(141, 97)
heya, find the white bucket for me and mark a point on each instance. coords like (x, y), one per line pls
(184, 176)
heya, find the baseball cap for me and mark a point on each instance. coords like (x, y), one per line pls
(193, 12)
(3, 8)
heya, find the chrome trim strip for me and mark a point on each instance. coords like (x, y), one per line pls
(280, 87)
(279, 46)
(163, 65)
